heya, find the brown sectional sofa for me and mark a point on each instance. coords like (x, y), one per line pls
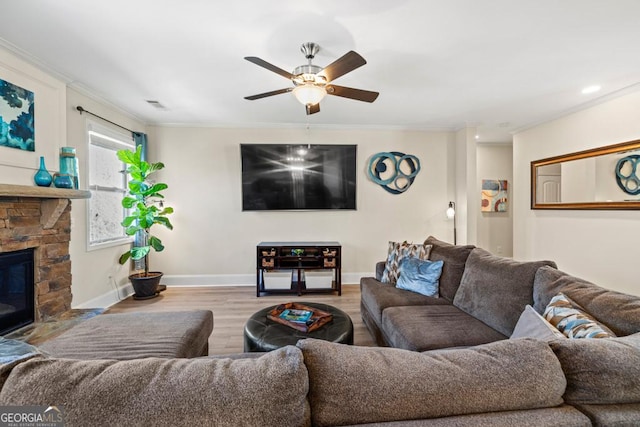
(481, 299)
(488, 380)
(516, 382)
(457, 318)
(505, 383)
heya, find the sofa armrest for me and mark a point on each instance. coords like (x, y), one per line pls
(379, 270)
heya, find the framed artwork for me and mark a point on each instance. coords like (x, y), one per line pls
(17, 110)
(494, 195)
(33, 106)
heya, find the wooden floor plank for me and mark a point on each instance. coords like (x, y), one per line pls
(233, 305)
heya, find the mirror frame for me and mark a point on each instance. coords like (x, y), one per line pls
(609, 149)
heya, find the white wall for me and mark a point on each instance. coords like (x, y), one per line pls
(465, 172)
(214, 241)
(495, 229)
(600, 246)
(98, 279)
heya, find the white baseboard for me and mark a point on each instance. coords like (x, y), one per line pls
(209, 280)
(237, 279)
(107, 299)
(110, 298)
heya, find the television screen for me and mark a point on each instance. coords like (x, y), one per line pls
(298, 177)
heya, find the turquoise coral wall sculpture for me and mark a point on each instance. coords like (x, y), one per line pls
(627, 174)
(394, 171)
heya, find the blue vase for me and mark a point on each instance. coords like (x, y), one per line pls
(42, 178)
(69, 164)
(63, 180)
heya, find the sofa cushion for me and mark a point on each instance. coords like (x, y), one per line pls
(421, 276)
(377, 296)
(532, 325)
(379, 270)
(409, 385)
(136, 335)
(496, 289)
(454, 258)
(572, 320)
(430, 327)
(396, 253)
(622, 415)
(270, 390)
(600, 371)
(559, 416)
(619, 311)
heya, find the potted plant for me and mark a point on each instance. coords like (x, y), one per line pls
(142, 200)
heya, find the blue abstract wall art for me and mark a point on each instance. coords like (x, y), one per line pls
(394, 171)
(16, 117)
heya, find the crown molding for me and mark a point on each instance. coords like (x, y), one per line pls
(32, 60)
(82, 90)
(580, 107)
(67, 80)
(289, 126)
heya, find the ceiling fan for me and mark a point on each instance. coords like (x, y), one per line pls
(311, 83)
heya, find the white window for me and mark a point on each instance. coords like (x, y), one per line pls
(107, 182)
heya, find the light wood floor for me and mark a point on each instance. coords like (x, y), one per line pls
(233, 305)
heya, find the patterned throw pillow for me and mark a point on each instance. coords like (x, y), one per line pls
(572, 320)
(398, 251)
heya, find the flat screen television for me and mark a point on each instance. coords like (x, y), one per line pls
(298, 177)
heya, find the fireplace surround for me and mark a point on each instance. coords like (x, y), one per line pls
(39, 218)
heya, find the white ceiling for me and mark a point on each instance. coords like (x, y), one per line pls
(500, 65)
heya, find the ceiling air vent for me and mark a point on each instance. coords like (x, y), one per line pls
(156, 104)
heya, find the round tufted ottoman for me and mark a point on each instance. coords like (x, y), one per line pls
(262, 334)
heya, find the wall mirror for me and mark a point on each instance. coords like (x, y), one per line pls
(601, 178)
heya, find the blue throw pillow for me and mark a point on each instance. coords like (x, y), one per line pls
(14, 350)
(420, 276)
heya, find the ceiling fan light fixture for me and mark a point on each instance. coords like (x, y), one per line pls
(309, 94)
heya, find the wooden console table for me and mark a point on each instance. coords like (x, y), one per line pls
(296, 258)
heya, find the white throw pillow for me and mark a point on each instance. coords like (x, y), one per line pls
(532, 325)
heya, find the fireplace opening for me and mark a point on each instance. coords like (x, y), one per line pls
(17, 308)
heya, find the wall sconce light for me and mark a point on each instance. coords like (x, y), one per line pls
(451, 214)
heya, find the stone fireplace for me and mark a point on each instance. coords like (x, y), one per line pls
(40, 219)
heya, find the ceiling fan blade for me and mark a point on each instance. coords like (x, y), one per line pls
(264, 64)
(341, 66)
(264, 95)
(312, 108)
(349, 92)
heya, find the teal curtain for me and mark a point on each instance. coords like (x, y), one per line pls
(141, 140)
(140, 239)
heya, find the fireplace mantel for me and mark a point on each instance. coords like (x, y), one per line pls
(56, 201)
(10, 190)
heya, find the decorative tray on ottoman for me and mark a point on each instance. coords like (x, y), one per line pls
(299, 316)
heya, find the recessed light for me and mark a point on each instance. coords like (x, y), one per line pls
(477, 136)
(590, 89)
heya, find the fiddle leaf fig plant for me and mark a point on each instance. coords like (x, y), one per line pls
(142, 199)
